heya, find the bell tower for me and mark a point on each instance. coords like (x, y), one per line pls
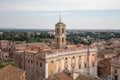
(60, 34)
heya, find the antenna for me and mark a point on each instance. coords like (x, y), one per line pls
(59, 17)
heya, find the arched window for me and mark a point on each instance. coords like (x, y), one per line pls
(115, 71)
(79, 66)
(93, 64)
(40, 64)
(57, 40)
(57, 30)
(62, 39)
(62, 30)
(66, 58)
(52, 62)
(85, 65)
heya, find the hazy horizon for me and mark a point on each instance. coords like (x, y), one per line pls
(44, 14)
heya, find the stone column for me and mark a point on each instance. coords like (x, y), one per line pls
(62, 64)
(56, 65)
(76, 63)
(82, 61)
(69, 64)
(82, 64)
(46, 69)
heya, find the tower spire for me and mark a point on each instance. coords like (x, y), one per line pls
(59, 17)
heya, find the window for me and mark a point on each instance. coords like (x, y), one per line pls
(57, 30)
(93, 64)
(79, 66)
(6, 56)
(36, 62)
(62, 30)
(116, 77)
(62, 39)
(31, 61)
(52, 61)
(40, 64)
(57, 40)
(115, 71)
(85, 65)
(28, 61)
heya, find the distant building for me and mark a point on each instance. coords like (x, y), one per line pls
(11, 73)
(115, 69)
(4, 55)
(7, 46)
(51, 33)
(104, 69)
(1, 33)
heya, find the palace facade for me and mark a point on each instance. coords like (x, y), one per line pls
(48, 61)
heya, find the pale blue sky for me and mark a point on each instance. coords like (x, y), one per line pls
(76, 14)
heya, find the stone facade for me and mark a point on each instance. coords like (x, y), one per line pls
(72, 61)
(60, 35)
(39, 65)
(104, 69)
(115, 69)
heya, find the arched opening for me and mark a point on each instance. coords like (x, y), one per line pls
(85, 65)
(93, 64)
(57, 30)
(63, 40)
(63, 30)
(79, 66)
(57, 39)
(115, 71)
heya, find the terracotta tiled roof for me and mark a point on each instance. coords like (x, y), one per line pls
(10, 73)
(104, 63)
(85, 77)
(60, 76)
(65, 76)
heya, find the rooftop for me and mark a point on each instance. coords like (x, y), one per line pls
(104, 63)
(115, 62)
(60, 76)
(65, 76)
(86, 77)
(10, 73)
